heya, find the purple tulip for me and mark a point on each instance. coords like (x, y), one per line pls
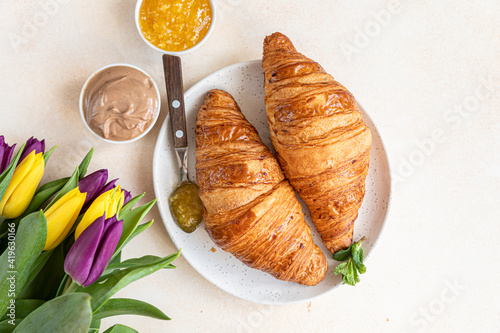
(127, 195)
(93, 185)
(33, 144)
(5, 154)
(92, 251)
(107, 187)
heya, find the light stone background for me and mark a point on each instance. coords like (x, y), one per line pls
(426, 71)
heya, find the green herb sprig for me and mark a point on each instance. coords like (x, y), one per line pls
(353, 265)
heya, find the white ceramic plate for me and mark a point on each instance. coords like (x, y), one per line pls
(245, 82)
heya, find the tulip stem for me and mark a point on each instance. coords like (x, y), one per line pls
(70, 286)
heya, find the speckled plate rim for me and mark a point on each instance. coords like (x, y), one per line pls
(170, 224)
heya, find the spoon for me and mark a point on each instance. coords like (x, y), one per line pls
(185, 203)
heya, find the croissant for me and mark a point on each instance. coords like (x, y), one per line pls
(250, 209)
(321, 141)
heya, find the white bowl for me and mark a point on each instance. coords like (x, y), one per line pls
(83, 111)
(212, 23)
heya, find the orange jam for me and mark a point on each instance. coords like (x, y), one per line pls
(175, 25)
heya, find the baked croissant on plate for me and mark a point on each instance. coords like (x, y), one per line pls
(321, 141)
(250, 209)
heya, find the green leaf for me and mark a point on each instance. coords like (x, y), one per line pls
(70, 184)
(140, 229)
(126, 306)
(42, 196)
(116, 259)
(95, 325)
(125, 209)
(341, 269)
(118, 328)
(348, 271)
(351, 277)
(134, 262)
(38, 265)
(67, 313)
(82, 168)
(130, 222)
(354, 266)
(47, 154)
(6, 327)
(64, 282)
(357, 257)
(342, 255)
(6, 175)
(55, 183)
(25, 249)
(46, 282)
(24, 307)
(101, 291)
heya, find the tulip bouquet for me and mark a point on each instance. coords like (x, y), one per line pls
(61, 244)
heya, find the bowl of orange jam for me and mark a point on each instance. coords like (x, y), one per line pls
(174, 26)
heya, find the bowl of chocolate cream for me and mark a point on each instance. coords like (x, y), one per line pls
(120, 103)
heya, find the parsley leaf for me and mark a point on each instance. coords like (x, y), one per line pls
(353, 256)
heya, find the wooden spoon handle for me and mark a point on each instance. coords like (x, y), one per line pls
(175, 95)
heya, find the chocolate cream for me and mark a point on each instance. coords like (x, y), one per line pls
(120, 103)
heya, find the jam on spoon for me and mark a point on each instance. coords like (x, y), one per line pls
(186, 206)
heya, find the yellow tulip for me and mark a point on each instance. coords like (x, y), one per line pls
(61, 216)
(22, 186)
(109, 202)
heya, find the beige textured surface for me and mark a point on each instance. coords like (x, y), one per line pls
(428, 74)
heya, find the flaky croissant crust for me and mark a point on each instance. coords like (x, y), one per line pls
(250, 210)
(321, 141)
